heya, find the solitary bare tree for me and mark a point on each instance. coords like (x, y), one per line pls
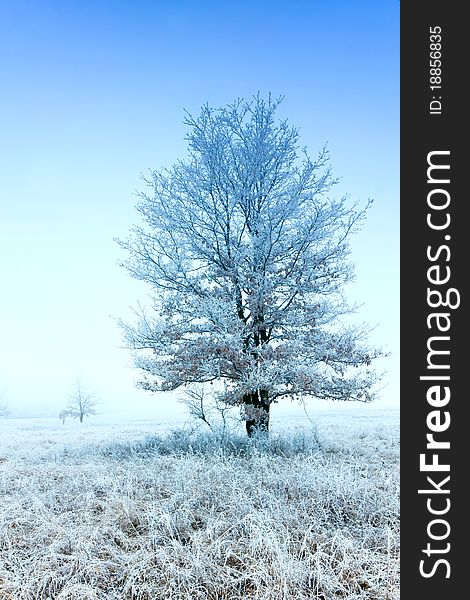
(82, 403)
(63, 415)
(247, 256)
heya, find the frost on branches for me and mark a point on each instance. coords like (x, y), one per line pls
(247, 255)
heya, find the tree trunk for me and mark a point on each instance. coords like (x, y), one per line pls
(81, 418)
(257, 411)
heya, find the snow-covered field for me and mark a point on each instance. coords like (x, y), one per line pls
(119, 508)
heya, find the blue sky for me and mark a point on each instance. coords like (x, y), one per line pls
(93, 95)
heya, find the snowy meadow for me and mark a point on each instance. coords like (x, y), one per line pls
(119, 509)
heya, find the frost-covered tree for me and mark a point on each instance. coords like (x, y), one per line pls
(247, 257)
(63, 415)
(81, 403)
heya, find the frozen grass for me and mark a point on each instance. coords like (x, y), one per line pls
(108, 513)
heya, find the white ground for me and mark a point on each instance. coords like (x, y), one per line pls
(97, 510)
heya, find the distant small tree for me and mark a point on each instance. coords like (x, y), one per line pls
(82, 403)
(63, 415)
